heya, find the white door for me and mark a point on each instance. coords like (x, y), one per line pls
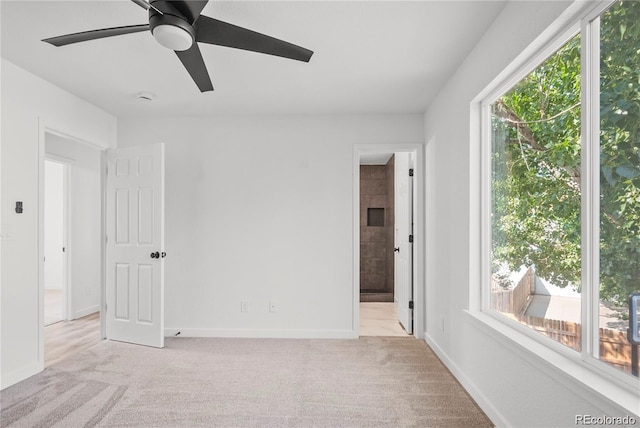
(403, 254)
(135, 245)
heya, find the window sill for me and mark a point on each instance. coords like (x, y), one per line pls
(585, 380)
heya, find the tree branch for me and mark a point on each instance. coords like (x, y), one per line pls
(503, 111)
(547, 119)
(525, 133)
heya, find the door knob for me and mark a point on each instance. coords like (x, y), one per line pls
(155, 255)
(396, 250)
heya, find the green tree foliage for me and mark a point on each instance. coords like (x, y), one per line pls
(620, 151)
(536, 165)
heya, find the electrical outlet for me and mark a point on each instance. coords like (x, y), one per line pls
(273, 306)
(88, 291)
(244, 306)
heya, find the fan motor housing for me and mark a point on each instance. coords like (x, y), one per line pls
(177, 8)
(156, 19)
(169, 15)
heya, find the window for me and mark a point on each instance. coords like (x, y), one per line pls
(563, 179)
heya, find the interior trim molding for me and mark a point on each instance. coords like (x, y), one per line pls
(260, 334)
(86, 311)
(21, 374)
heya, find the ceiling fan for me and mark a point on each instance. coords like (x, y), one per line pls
(179, 26)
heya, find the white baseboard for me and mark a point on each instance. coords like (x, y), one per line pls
(476, 393)
(86, 311)
(261, 334)
(8, 379)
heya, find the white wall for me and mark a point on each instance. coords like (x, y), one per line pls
(261, 208)
(85, 218)
(54, 225)
(29, 104)
(512, 385)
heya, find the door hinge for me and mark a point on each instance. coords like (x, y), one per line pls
(411, 239)
(410, 172)
(410, 304)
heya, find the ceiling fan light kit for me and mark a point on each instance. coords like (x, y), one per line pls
(172, 36)
(179, 26)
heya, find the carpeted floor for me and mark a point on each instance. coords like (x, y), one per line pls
(368, 382)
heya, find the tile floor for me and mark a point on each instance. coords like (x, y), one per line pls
(380, 319)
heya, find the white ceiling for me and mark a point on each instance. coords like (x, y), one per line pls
(370, 56)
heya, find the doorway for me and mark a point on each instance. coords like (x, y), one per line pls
(377, 213)
(387, 207)
(55, 241)
(72, 241)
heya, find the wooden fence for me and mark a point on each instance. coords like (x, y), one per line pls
(565, 332)
(615, 349)
(513, 301)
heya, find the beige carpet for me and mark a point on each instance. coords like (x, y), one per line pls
(369, 382)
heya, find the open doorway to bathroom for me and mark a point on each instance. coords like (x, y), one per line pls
(386, 269)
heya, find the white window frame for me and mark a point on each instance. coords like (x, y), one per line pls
(585, 20)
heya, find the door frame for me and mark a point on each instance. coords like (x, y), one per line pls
(418, 262)
(44, 128)
(66, 234)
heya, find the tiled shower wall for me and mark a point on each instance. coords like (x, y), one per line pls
(376, 234)
(390, 223)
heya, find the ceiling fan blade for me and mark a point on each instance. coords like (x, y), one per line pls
(142, 3)
(193, 62)
(95, 34)
(190, 9)
(212, 31)
(146, 5)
